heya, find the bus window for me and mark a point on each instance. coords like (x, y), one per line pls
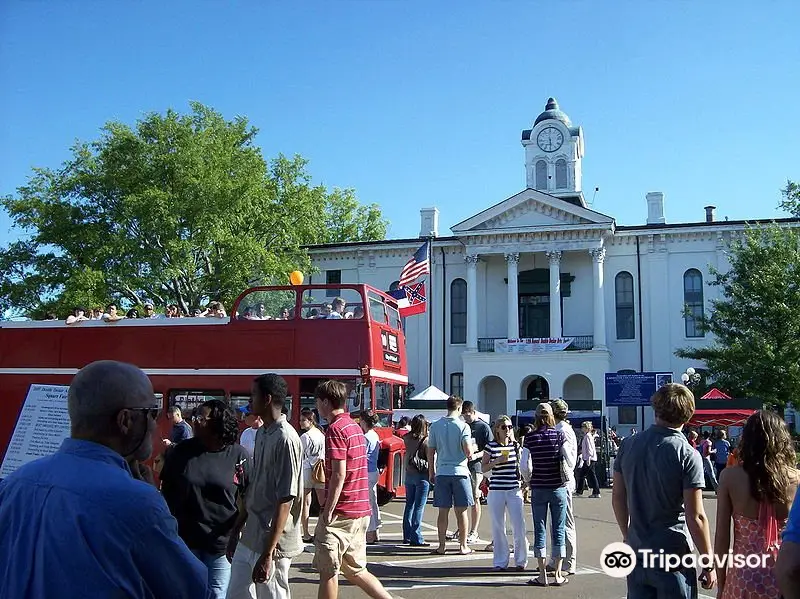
(345, 304)
(384, 419)
(239, 403)
(366, 397)
(383, 396)
(189, 400)
(274, 304)
(376, 311)
(394, 317)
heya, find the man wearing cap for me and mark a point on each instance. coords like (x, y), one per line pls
(560, 411)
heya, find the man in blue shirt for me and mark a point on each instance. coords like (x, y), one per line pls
(76, 524)
(787, 567)
(449, 450)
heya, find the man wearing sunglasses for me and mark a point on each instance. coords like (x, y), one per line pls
(77, 523)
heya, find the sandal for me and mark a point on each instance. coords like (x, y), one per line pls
(534, 582)
(564, 581)
(437, 552)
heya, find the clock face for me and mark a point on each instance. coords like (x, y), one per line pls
(549, 139)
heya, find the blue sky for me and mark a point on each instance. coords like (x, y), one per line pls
(422, 103)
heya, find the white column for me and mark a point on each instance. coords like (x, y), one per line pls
(554, 257)
(512, 261)
(598, 256)
(472, 302)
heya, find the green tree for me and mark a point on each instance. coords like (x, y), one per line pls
(181, 208)
(755, 351)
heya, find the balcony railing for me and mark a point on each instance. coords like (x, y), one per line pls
(579, 342)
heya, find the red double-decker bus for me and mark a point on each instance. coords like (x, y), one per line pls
(351, 333)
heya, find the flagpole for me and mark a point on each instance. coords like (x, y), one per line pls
(428, 305)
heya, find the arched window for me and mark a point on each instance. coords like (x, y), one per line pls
(623, 292)
(561, 174)
(458, 311)
(541, 175)
(693, 302)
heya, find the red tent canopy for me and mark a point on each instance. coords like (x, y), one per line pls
(720, 417)
(715, 394)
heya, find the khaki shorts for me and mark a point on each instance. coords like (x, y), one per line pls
(341, 547)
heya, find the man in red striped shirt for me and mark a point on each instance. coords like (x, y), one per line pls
(340, 539)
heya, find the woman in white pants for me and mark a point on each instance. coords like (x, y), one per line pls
(368, 419)
(501, 458)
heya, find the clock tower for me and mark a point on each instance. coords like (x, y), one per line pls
(553, 153)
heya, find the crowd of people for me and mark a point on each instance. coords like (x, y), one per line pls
(336, 309)
(230, 510)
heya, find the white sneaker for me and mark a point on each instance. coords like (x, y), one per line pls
(472, 537)
(453, 536)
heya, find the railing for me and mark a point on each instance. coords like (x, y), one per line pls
(579, 342)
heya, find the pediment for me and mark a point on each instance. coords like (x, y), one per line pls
(531, 209)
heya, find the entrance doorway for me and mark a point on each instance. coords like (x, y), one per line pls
(534, 315)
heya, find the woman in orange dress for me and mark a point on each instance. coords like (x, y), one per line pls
(756, 495)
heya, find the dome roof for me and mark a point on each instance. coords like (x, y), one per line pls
(552, 112)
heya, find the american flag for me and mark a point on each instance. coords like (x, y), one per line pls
(416, 267)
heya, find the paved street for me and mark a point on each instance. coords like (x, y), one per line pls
(411, 573)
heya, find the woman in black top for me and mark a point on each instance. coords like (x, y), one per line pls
(417, 483)
(201, 482)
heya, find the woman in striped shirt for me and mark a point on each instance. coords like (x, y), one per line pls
(542, 454)
(501, 458)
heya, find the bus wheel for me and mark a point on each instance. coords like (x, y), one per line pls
(384, 496)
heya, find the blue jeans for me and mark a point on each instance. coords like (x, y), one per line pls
(219, 572)
(652, 583)
(417, 488)
(556, 500)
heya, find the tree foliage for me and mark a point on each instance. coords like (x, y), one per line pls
(755, 350)
(182, 208)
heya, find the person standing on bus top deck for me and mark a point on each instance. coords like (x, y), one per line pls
(270, 522)
(78, 315)
(111, 314)
(248, 438)
(481, 434)
(340, 538)
(180, 428)
(76, 524)
(201, 481)
(337, 309)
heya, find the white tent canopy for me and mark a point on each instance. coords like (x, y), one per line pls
(431, 392)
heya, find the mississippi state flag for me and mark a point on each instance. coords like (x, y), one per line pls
(410, 300)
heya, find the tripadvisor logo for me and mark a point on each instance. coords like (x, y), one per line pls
(618, 560)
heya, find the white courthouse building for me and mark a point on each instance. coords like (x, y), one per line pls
(542, 264)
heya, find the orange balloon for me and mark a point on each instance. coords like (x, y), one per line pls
(296, 277)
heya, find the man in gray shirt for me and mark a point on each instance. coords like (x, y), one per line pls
(658, 499)
(271, 538)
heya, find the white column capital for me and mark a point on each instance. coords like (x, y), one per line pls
(512, 257)
(554, 257)
(598, 254)
(471, 259)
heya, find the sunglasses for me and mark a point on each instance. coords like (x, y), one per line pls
(506, 427)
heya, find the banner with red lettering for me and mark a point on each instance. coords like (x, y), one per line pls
(531, 346)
